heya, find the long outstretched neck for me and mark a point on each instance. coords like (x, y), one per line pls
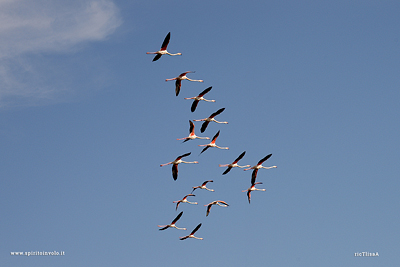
(194, 80)
(177, 54)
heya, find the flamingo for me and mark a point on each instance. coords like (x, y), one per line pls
(175, 164)
(200, 97)
(163, 50)
(212, 144)
(216, 202)
(184, 200)
(211, 118)
(192, 234)
(172, 225)
(252, 188)
(259, 166)
(203, 186)
(192, 135)
(234, 164)
(181, 77)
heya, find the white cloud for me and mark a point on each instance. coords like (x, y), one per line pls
(43, 27)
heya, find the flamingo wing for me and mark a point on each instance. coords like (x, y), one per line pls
(166, 227)
(208, 209)
(209, 181)
(166, 41)
(264, 159)
(182, 156)
(205, 91)
(195, 229)
(204, 126)
(194, 105)
(249, 195)
(254, 176)
(175, 172)
(177, 218)
(177, 87)
(219, 111)
(227, 170)
(157, 57)
(191, 129)
(239, 158)
(204, 149)
(215, 137)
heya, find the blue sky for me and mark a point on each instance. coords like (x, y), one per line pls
(86, 118)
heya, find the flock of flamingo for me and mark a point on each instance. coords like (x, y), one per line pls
(192, 136)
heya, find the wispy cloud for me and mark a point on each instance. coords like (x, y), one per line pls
(43, 27)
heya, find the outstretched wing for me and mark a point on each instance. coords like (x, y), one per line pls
(191, 129)
(227, 170)
(215, 137)
(157, 57)
(204, 149)
(254, 176)
(175, 171)
(208, 209)
(205, 91)
(166, 41)
(177, 218)
(177, 87)
(194, 105)
(239, 158)
(182, 156)
(249, 195)
(219, 111)
(195, 229)
(264, 159)
(204, 126)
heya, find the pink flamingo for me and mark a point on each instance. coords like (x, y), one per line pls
(163, 50)
(200, 97)
(212, 144)
(192, 135)
(203, 186)
(172, 225)
(181, 77)
(211, 118)
(216, 202)
(175, 164)
(192, 234)
(234, 164)
(259, 166)
(184, 200)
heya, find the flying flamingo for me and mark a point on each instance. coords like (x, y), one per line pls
(211, 118)
(216, 202)
(259, 166)
(184, 200)
(163, 50)
(192, 234)
(199, 97)
(234, 164)
(212, 144)
(203, 186)
(181, 77)
(175, 164)
(192, 135)
(252, 188)
(172, 223)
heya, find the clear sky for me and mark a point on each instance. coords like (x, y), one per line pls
(86, 119)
